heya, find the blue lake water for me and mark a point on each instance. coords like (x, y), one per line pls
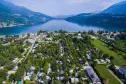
(53, 26)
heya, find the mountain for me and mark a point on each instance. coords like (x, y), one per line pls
(102, 20)
(119, 8)
(13, 15)
(114, 16)
(63, 16)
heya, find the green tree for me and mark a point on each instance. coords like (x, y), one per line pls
(112, 58)
(112, 66)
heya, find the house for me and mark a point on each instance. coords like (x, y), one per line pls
(17, 39)
(27, 78)
(122, 71)
(89, 57)
(102, 61)
(15, 60)
(74, 80)
(60, 78)
(92, 75)
(71, 71)
(32, 68)
(40, 74)
(29, 40)
(9, 73)
(6, 44)
(49, 39)
(15, 68)
(4, 82)
(1, 67)
(108, 60)
(49, 70)
(48, 78)
(32, 36)
(56, 34)
(43, 35)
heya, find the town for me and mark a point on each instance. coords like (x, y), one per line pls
(63, 57)
(11, 24)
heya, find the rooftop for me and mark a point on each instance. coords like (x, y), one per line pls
(123, 69)
(93, 76)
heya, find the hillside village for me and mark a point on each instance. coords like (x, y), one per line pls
(11, 24)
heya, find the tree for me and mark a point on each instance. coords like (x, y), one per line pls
(57, 82)
(33, 77)
(27, 82)
(44, 77)
(94, 63)
(37, 69)
(19, 74)
(105, 56)
(12, 77)
(27, 67)
(46, 67)
(10, 66)
(105, 80)
(1, 80)
(3, 74)
(112, 58)
(112, 66)
(39, 32)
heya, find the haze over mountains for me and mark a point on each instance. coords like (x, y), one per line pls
(12, 15)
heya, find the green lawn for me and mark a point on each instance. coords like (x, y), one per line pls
(104, 73)
(121, 44)
(119, 60)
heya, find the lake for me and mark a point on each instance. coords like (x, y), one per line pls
(53, 26)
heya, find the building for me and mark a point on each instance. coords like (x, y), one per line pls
(92, 75)
(122, 71)
(89, 57)
(74, 80)
(6, 44)
(31, 36)
(27, 78)
(15, 60)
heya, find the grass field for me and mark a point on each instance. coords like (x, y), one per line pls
(121, 44)
(119, 60)
(104, 73)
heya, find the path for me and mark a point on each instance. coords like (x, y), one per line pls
(114, 75)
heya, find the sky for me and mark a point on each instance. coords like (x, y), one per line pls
(65, 7)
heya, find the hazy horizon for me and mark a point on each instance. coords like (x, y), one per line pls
(65, 7)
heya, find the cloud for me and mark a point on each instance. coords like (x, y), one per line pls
(65, 7)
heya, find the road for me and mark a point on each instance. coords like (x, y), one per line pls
(31, 48)
(114, 75)
(28, 54)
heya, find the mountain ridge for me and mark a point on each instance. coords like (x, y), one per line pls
(118, 8)
(13, 15)
(103, 18)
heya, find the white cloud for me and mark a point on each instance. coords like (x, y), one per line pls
(65, 7)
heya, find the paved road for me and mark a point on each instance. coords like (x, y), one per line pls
(29, 52)
(31, 48)
(114, 75)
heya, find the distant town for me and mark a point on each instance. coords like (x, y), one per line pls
(63, 57)
(11, 24)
